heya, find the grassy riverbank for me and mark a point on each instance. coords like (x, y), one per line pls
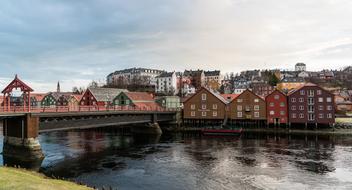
(18, 179)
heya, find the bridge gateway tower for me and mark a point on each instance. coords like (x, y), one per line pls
(20, 130)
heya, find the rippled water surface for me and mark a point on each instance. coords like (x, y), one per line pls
(252, 161)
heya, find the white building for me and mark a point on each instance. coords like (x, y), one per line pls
(166, 83)
(127, 75)
(303, 74)
(299, 67)
(188, 89)
(240, 89)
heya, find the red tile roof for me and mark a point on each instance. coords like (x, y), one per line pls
(140, 96)
(229, 97)
(38, 96)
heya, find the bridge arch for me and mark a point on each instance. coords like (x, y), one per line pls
(17, 84)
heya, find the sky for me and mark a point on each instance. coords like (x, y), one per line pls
(78, 41)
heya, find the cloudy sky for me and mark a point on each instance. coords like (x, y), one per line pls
(76, 41)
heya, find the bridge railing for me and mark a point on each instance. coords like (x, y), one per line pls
(96, 108)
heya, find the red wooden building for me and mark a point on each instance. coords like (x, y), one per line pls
(276, 108)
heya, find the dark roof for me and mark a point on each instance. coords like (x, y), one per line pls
(300, 64)
(106, 94)
(192, 73)
(212, 73)
(165, 74)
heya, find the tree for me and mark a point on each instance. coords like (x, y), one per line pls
(273, 80)
(93, 84)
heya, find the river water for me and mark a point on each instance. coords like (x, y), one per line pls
(251, 161)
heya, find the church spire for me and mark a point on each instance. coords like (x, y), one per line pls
(58, 86)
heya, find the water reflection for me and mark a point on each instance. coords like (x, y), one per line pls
(252, 161)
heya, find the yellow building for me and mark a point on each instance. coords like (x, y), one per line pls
(291, 83)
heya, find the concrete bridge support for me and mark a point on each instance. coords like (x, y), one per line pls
(21, 138)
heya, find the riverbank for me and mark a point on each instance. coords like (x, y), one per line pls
(18, 179)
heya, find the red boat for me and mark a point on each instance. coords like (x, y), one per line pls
(213, 132)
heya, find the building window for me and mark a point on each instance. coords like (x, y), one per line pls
(239, 107)
(256, 100)
(239, 100)
(329, 115)
(276, 97)
(328, 99)
(282, 112)
(293, 108)
(301, 108)
(256, 107)
(302, 92)
(193, 113)
(301, 115)
(193, 106)
(294, 115)
(256, 114)
(204, 114)
(319, 92)
(282, 104)
(215, 113)
(320, 99)
(300, 99)
(204, 106)
(293, 99)
(311, 117)
(321, 108)
(311, 93)
(272, 104)
(272, 112)
(321, 116)
(204, 96)
(215, 106)
(329, 108)
(239, 114)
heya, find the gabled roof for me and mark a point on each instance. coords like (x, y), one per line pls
(17, 83)
(214, 93)
(249, 92)
(276, 90)
(57, 95)
(292, 79)
(106, 94)
(76, 96)
(305, 85)
(140, 96)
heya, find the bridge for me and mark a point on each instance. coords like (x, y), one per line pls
(22, 124)
(21, 129)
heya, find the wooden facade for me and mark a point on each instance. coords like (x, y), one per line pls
(311, 104)
(48, 100)
(247, 106)
(205, 105)
(276, 107)
(137, 100)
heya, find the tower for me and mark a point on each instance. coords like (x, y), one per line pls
(58, 86)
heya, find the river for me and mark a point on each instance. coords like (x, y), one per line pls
(104, 158)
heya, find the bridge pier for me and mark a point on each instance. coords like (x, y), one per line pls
(21, 138)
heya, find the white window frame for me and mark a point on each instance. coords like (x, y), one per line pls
(276, 97)
(301, 100)
(193, 113)
(215, 113)
(204, 96)
(294, 115)
(328, 99)
(239, 108)
(256, 107)
(215, 106)
(256, 114)
(193, 106)
(204, 106)
(320, 99)
(204, 113)
(293, 99)
(239, 114)
(272, 112)
(256, 100)
(271, 104)
(239, 100)
(301, 116)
